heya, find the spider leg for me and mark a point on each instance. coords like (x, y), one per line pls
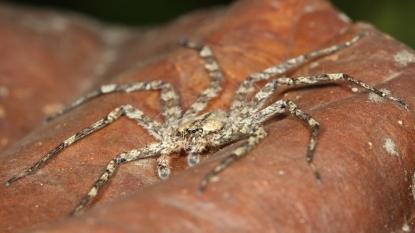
(112, 167)
(148, 123)
(315, 129)
(256, 135)
(281, 106)
(239, 108)
(171, 112)
(214, 86)
(334, 77)
(257, 101)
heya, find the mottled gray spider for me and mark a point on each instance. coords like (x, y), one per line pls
(197, 134)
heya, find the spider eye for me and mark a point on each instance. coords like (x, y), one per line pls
(194, 131)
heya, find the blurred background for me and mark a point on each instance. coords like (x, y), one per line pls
(391, 16)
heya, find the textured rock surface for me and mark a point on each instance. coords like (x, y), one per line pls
(48, 59)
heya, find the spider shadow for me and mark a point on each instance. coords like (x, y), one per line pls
(291, 89)
(299, 90)
(303, 87)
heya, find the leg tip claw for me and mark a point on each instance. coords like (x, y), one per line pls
(182, 41)
(163, 172)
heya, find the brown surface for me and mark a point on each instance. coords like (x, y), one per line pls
(365, 188)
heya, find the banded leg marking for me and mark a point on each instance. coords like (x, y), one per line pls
(127, 110)
(111, 169)
(258, 100)
(214, 86)
(315, 129)
(171, 111)
(258, 133)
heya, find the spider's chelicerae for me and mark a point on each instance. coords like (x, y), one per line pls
(196, 134)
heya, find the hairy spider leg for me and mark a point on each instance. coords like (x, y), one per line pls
(214, 86)
(239, 108)
(125, 157)
(335, 77)
(257, 101)
(256, 134)
(127, 110)
(171, 111)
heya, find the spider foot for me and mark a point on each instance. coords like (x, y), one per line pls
(193, 159)
(164, 172)
(163, 167)
(202, 185)
(184, 42)
(400, 102)
(316, 173)
(20, 176)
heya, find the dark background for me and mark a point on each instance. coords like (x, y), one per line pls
(391, 16)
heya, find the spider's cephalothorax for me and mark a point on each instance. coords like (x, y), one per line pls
(201, 133)
(197, 134)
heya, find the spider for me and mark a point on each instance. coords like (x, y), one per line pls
(197, 133)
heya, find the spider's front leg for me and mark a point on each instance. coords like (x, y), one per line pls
(214, 86)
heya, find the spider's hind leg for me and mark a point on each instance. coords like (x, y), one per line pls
(111, 169)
